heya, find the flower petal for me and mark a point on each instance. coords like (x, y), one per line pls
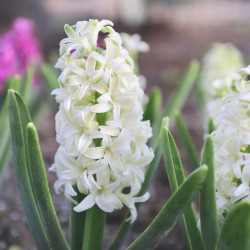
(87, 203)
(101, 107)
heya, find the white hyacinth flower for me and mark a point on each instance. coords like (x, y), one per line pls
(102, 137)
(218, 73)
(232, 145)
(133, 43)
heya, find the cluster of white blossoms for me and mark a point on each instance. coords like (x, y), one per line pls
(219, 69)
(102, 137)
(232, 145)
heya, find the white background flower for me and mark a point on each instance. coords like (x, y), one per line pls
(232, 143)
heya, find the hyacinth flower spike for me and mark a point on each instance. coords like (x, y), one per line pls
(99, 123)
(232, 153)
(220, 66)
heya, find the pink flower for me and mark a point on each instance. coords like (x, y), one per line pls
(18, 48)
(7, 59)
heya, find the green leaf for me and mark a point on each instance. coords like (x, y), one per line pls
(211, 127)
(4, 93)
(155, 162)
(25, 89)
(189, 214)
(94, 228)
(184, 231)
(13, 83)
(180, 95)
(168, 160)
(171, 212)
(50, 76)
(39, 107)
(76, 224)
(41, 191)
(208, 210)
(235, 231)
(153, 107)
(126, 226)
(199, 95)
(176, 178)
(187, 142)
(4, 157)
(18, 117)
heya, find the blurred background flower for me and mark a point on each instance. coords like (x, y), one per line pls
(19, 48)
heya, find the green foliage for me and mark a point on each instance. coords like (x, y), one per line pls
(211, 127)
(31, 178)
(50, 76)
(26, 85)
(171, 212)
(41, 191)
(25, 89)
(187, 142)
(152, 110)
(176, 177)
(235, 231)
(208, 210)
(180, 95)
(18, 116)
(13, 83)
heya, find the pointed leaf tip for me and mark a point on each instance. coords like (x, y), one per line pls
(11, 91)
(165, 122)
(31, 125)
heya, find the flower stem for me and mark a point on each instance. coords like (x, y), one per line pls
(76, 226)
(94, 228)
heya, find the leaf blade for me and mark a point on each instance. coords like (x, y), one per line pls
(187, 142)
(41, 190)
(5, 145)
(26, 85)
(50, 76)
(152, 111)
(235, 229)
(178, 98)
(211, 127)
(176, 178)
(18, 147)
(208, 210)
(171, 212)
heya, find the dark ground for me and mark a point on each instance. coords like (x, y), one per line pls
(172, 47)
